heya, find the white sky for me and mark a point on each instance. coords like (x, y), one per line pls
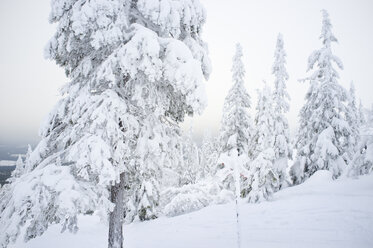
(29, 83)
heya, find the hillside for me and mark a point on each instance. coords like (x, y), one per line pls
(318, 213)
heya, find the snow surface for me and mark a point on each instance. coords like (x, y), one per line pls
(319, 213)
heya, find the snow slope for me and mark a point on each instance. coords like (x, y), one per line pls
(318, 213)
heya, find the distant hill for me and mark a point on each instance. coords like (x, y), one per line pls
(5, 172)
(8, 157)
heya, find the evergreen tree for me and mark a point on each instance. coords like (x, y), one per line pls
(362, 118)
(362, 161)
(191, 159)
(19, 170)
(322, 118)
(210, 155)
(236, 124)
(282, 146)
(235, 132)
(28, 159)
(263, 178)
(264, 122)
(353, 119)
(131, 66)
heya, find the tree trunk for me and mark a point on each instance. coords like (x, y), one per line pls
(116, 217)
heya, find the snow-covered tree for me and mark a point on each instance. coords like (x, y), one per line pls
(236, 126)
(264, 122)
(209, 154)
(325, 109)
(132, 64)
(362, 161)
(19, 170)
(28, 159)
(190, 170)
(282, 145)
(362, 119)
(353, 119)
(235, 132)
(263, 178)
(189, 197)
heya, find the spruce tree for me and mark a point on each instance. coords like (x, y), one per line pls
(323, 132)
(353, 119)
(19, 170)
(362, 119)
(236, 124)
(210, 155)
(191, 159)
(264, 122)
(282, 146)
(28, 159)
(263, 177)
(133, 66)
(235, 132)
(362, 161)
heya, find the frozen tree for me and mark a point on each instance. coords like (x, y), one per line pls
(282, 145)
(264, 122)
(131, 64)
(323, 113)
(189, 171)
(236, 124)
(362, 118)
(353, 119)
(185, 167)
(209, 154)
(235, 132)
(263, 177)
(28, 162)
(151, 153)
(189, 197)
(362, 161)
(19, 170)
(327, 155)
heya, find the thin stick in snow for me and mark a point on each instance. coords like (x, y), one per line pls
(237, 195)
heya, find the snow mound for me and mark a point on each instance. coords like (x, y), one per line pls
(320, 177)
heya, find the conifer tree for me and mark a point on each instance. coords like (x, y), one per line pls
(362, 161)
(132, 65)
(264, 122)
(235, 132)
(324, 131)
(28, 159)
(353, 119)
(263, 178)
(210, 155)
(19, 170)
(362, 118)
(191, 159)
(236, 124)
(282, 146)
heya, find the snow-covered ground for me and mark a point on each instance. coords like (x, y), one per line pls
(318, 213)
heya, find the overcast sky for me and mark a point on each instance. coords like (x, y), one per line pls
(29, 84)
